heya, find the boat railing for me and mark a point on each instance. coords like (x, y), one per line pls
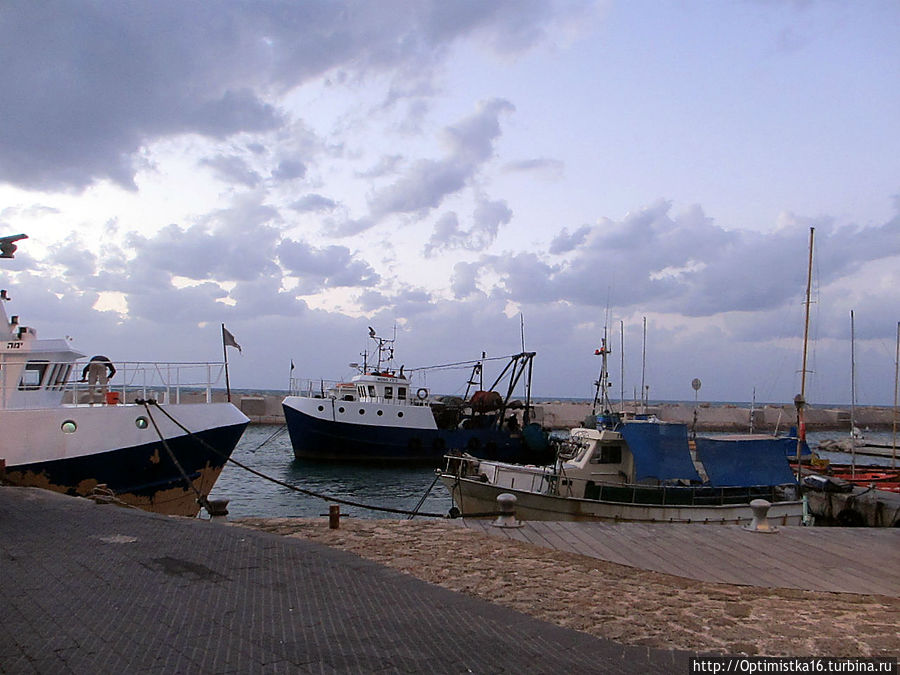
(338, 389)
(546, 480)
(164, 382)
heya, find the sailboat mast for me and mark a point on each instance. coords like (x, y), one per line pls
(852, 375)
(812, 232)
(622, 365)
(852, 396)
(800, 400)
(896, 391)
(644, 367)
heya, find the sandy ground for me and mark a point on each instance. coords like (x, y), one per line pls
(613, 601)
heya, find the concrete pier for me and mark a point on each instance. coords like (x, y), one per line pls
(93, 588)
(266, 409)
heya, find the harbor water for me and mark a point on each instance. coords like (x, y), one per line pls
(266, 448)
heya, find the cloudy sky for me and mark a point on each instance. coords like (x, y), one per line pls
(303, 170)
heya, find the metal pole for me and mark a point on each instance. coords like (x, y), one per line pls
(225, 355)
(896, 389)
(800, 401)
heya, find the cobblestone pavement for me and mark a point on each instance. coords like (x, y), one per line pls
(101, 589)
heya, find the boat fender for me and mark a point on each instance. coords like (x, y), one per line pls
(422, 393)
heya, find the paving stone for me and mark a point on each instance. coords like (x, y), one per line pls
(99, 589)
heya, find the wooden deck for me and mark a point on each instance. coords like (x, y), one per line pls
(831, 559)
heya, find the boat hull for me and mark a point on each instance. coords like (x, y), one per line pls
(480, 499)
(109, 449)
(336, 440)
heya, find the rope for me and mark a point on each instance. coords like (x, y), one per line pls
(310, 493)
(201, 498)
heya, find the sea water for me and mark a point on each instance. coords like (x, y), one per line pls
(266, 448)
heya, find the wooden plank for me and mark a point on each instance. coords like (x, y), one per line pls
(818, 559)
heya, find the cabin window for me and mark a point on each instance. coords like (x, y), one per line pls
(389, 392)
(361, 390)
(33, 375)
(401, 393)
(607, 454)
(60, 375)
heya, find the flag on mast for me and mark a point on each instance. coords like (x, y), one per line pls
(229, 340)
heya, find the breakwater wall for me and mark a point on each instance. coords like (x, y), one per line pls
(266, 409)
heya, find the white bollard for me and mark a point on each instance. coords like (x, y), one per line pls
(506, 505)
(760, 522)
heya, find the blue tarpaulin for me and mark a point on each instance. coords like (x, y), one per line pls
(756, 461)
(660, 451)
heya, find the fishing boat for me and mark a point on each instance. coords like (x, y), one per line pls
(128, 433)
(636, 470)
(380, 416)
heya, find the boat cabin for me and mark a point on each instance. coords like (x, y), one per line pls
(382, 388)
(33, 372)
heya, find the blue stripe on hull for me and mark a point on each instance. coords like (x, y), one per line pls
(140, 472)
(326, 440)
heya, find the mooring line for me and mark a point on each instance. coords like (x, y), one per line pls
(295, 488)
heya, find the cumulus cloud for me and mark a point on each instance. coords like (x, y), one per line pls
(565, 242)
(331, 266)
(86, 86)
(232, 169)
(426, 184)
(314, 203)
(654, 260)
(486, 221)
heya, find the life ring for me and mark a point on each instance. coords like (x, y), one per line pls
(422, 393)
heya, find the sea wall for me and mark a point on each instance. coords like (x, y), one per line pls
(266, 409)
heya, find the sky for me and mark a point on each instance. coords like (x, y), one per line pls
(462, 175)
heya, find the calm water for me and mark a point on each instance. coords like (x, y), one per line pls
(266, 450)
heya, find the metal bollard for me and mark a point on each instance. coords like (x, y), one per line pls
(506, 505)
(217, 509)
(760, 522)
(334, 517)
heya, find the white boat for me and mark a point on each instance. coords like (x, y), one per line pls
(380, 417)
(149, 437)
(639, 470)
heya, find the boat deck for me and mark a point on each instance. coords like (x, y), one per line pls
(830, 559)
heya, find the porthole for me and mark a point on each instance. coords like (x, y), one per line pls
(362, 411)
(400, 414)
(68, 427)
(321, 408)
(141, 423)
(341, 409)
(380, 413)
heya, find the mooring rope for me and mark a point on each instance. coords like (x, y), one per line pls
(201, 498)
(295, 488)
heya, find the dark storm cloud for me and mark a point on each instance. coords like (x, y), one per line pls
(86, 85)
